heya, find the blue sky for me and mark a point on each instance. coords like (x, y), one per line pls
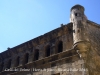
(23, 20)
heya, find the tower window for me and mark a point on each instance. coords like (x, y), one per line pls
(75, 14)
(78, 31)
(47, 51)
(26, 58)
(36, 54)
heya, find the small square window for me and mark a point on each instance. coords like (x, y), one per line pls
(75, 14)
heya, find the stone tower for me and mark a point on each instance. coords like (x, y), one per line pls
(85, 35)
(80, 37)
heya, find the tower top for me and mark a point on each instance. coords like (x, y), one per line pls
(78, 7)
(77, 13)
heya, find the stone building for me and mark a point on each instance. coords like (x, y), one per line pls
(72, 49)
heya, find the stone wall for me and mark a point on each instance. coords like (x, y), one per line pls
(27, 53)
(93, 60)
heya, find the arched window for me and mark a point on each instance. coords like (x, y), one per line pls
(9, 64)
(26, 58)
(47, 51)
(36, 54)
(17, 61)
(60, 47)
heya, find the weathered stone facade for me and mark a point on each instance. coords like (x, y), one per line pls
(72, 49)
